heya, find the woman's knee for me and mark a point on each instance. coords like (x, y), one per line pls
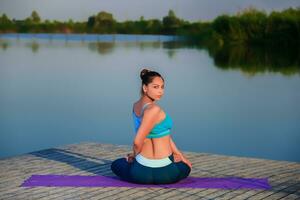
(118, 164)
(113, 166)
(185, 170)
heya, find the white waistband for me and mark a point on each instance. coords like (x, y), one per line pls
(152, 162)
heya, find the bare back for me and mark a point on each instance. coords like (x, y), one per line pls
(154, 148)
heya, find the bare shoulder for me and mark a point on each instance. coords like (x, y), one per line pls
(135, 104)
(152, 109)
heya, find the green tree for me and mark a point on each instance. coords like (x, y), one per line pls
(142, 25)
(284, 26)
(35, 18)
(5, 23)
(171, 23)
(4, 19)
(155, 26)
(221, 26)
(253, 24)
(104, 22)
(91, 21)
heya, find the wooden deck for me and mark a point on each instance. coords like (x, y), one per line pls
(94, 159)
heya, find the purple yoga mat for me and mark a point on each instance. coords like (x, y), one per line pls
(109, 181)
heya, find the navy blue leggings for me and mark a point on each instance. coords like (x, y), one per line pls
(136, 173)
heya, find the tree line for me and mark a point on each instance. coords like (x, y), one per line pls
(249, 26)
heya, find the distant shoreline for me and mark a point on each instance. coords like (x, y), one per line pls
(249, 26)
(93, 37)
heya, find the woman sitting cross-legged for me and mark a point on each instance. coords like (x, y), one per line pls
(155, 158)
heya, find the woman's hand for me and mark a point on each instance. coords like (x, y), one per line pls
(185, 160)
(180, 157)
(177, 157)
(130, 157)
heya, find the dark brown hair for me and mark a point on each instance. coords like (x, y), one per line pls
(147, 77)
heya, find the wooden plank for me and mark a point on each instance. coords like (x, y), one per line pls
(89, 158)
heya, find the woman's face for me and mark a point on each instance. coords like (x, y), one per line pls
(155, 89)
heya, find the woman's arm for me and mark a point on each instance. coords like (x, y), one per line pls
(174, 148)
(136, 149)
(147, 123)
(178, 156)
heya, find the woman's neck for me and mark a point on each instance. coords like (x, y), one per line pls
(146, 99)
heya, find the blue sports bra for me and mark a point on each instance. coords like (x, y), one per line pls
(159, 130)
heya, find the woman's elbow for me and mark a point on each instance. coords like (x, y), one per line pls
(137, 145)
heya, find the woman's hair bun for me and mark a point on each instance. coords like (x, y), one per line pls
(143, 72)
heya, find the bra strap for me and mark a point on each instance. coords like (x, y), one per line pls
(144, 106)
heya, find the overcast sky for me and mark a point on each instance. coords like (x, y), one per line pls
(80, 10)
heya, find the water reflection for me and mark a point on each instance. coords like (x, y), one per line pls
(251, 60)
(145, 45)
(4, 45)
(34, 46)
(102, 47)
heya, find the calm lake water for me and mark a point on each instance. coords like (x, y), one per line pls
(57, 89)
